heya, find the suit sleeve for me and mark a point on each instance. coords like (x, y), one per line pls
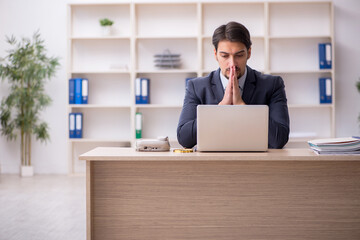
(186, 130)
(278, 116)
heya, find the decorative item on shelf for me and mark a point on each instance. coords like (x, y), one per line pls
(106, 25)
(78, 90)
(167, 60)
(325, 90)
(75, 125)
(142, 86)
(26, 68)
(117, 67)
(138, 125)
(325, 57)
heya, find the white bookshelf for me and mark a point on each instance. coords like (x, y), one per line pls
(285, 38)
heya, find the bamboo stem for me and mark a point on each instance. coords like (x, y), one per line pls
(23, 160)
(29, 149)
(26, 149)
(22, 148)
(27, 153)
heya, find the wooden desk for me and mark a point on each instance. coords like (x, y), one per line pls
(282, 194)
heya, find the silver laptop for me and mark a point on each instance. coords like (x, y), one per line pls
(232, 127)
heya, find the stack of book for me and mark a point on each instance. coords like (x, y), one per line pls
(349, 145)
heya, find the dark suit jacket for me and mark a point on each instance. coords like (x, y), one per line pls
(258, 89)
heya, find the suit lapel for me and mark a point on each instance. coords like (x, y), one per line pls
(217, 86)
(249, 87)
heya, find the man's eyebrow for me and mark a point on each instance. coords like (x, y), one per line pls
(241, 51)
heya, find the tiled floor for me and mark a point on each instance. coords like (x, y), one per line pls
(42, 207)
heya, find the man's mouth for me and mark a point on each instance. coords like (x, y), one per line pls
(227, 73)
(236, 69)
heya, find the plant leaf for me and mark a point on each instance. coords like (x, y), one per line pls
(26, 67)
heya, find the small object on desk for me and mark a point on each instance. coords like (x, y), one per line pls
(161, 144)
(183, 150)
(349, 145)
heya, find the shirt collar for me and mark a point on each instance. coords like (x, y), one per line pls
(242, 79)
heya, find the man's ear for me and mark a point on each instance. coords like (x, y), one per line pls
(249, 53)
(215, 55)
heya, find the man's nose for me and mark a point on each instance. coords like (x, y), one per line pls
(231, 61)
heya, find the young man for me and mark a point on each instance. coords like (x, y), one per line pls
(235, 83)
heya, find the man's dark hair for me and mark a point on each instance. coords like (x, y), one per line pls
(233, 32)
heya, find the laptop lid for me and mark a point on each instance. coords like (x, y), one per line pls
(232, 127)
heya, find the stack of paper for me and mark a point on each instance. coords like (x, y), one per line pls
(167, 60)
(349, 145)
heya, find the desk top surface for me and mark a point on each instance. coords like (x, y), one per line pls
(130, 154)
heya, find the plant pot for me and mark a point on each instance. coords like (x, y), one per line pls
(106, 30)
(26, 171)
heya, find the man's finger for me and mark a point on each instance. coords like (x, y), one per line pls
(231, 77)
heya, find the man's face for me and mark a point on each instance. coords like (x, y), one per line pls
(231, 54)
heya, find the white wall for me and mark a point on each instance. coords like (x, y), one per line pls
(347, 70)
(23, 17)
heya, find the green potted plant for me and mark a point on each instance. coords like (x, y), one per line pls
(26, 67)
(106, 24)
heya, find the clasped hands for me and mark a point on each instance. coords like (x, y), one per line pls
(232, 94)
